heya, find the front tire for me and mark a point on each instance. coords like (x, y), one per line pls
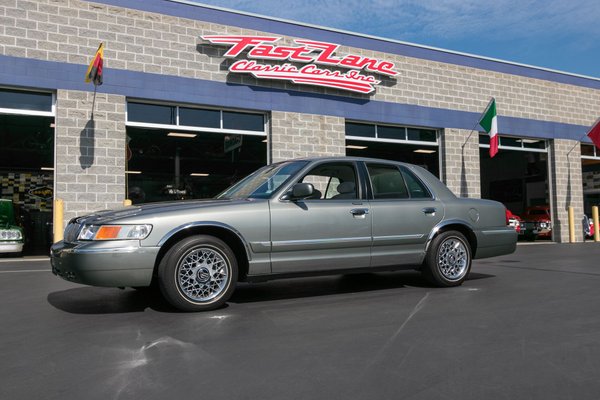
(198, 273)
(448, 260)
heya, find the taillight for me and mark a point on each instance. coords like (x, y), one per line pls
(506, 214)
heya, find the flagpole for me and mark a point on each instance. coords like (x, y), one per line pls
(470, 134)
(94, 100)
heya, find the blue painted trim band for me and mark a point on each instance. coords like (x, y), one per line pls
(265, 24)
(50, 75)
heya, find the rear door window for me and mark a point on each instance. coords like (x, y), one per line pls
(387, 182)
(416, 188)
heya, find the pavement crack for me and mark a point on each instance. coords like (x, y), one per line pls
(392, 339)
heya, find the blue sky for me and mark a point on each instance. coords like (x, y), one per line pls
(557, 34)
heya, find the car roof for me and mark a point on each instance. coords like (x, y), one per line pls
(346, 158)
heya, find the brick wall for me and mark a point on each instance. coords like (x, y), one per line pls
(567, 186)
(460, 162)
(295, 135)
(90, 153)
(70, 30)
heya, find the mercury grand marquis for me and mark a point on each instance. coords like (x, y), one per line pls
(293, 218)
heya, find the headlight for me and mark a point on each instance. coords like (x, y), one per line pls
(10, 234)
(114, 232)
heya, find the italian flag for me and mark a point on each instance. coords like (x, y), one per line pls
(489, 122)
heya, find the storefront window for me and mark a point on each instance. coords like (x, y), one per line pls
(399, 133)
(534, 143)
(361, 130)
(199, 117)
(165, 167)
(243, 121)
(27, 175)
(151, 113)
(588, 150)
(421, 135)
(203, 152)
(391, 132)
(397, 143)
(20, 100)
(510, 142)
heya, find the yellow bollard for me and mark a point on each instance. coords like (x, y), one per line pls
(126, 202)
(571, 225)
(58, 223)
(596, 226)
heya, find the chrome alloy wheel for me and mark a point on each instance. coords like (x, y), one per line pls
(202, 274)
(453, 259)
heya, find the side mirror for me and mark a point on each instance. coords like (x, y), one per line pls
(299, 191)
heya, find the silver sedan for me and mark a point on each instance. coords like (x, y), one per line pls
(294, 218)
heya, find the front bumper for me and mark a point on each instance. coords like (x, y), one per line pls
(538, 229)
(11, 247)
(110, 263)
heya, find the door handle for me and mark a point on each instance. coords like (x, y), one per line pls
(429, 211)
(359, 212)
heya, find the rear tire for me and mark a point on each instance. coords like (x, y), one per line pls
(448, 260)
(198, 273)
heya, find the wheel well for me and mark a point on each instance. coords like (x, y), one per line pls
(227, 236)
(465, 230)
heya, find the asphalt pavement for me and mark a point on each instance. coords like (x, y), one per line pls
(523, 326)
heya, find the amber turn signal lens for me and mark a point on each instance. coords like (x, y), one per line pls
(108, 232)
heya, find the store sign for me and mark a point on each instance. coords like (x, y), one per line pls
(42, 192)
(314, 54)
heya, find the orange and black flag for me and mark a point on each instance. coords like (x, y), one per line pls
(94, 71)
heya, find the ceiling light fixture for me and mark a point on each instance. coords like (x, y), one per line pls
(133, 172)
(183, 135)
(198, 174)
(424, 151)
(527, 140)
(351, 146)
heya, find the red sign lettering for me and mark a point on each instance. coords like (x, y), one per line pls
(309, 52)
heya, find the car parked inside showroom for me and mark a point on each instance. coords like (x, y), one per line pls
(537, 222)
(588, 227)
(514, 221)
(11, 234)
(294, 218)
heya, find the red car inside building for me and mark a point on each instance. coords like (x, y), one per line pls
(538, 222)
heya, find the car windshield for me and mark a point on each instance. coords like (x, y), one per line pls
(264, 182)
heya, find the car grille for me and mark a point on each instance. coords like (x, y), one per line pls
(72, 231)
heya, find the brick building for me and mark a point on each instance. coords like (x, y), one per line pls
(174, 119)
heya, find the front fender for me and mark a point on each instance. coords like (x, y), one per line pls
(207, 224)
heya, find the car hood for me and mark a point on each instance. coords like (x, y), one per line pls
(150, 210)
(538, 218)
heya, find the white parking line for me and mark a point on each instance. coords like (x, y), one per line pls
(24, 270)
(12, 260)
(533, 243)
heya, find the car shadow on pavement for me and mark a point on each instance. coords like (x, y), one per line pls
(332, 285)
(98, 300)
